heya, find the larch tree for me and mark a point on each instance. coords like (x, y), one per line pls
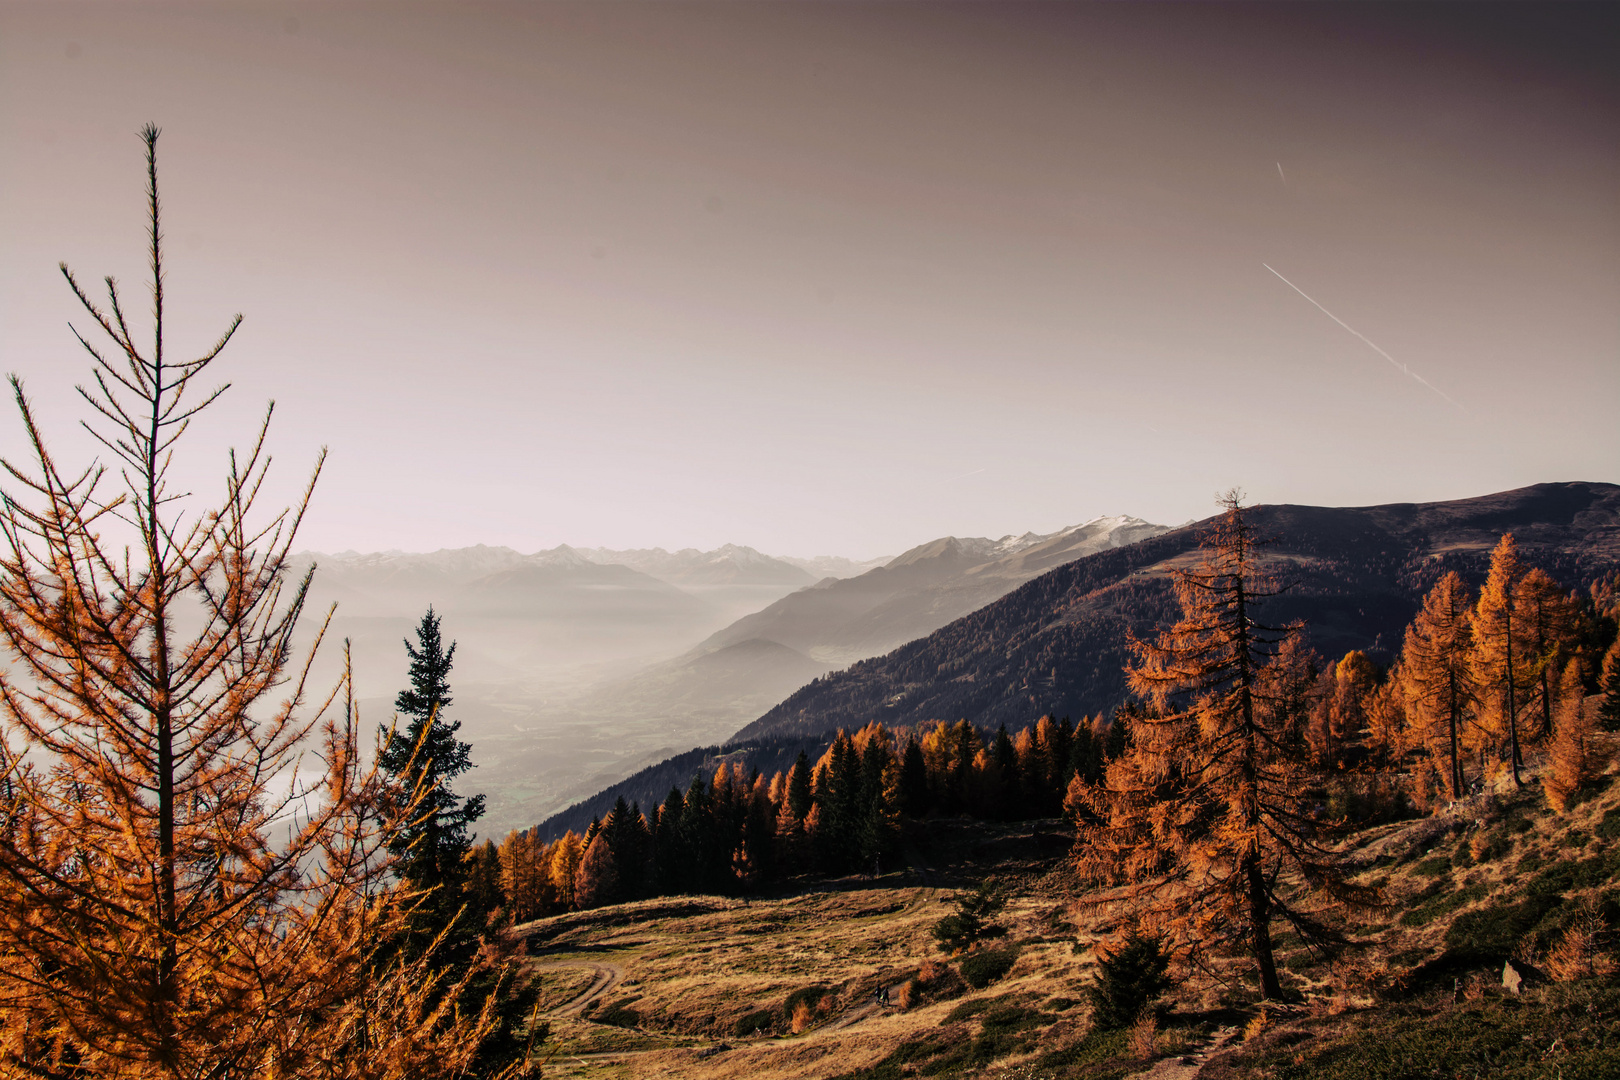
(1437, 674)
(1206, 815)
(1546, 626)
(1498, 651)
(191, 877)
(1572, 750)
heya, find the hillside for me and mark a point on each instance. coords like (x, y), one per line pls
(1056, 644)
(843, 620)
(783, 985)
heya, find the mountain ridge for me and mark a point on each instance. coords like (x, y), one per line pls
(1056, 643)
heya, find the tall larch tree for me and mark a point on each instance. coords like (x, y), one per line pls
(1207, 810)
(1438, 676)
(1546, 626)
(177, 898)
(1498, 657)
(423, 756)
(1572, 750)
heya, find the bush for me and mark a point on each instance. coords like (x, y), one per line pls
(756, 1021)
(1609, 827)
(969, 923)
(1130, 977)
(984, 967)
(808, 996)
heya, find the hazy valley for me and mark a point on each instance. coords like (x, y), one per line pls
(576, 667)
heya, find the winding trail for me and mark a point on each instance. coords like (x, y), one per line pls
(607, 976)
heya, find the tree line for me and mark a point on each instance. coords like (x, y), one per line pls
(741, 830)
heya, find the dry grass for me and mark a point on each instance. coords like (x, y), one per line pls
(700, 972)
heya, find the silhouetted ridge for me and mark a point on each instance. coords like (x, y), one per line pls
(1057, 645)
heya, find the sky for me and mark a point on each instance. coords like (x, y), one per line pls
(834, 278)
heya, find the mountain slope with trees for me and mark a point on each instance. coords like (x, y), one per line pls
(1057, 643)
(839, 621)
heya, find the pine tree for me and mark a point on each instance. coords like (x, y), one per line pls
(432, 842)
(1209, 806)
(1438, 677)
(170, 906)
(1131, 975)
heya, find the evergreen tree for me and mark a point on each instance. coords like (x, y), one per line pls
(913, 780)
(1130, 976)
(432, 842)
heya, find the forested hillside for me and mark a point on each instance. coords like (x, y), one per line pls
(1057, 644)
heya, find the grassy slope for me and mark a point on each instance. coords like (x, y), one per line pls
(710, 983)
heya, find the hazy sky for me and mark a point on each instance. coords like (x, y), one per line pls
(838, 277)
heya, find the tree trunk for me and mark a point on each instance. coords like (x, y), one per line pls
(1260, 931)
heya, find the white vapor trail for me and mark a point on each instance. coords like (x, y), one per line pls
(1285, 184)
(1371, 344)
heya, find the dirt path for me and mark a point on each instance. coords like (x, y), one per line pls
(607, 977)
(1187, 1066)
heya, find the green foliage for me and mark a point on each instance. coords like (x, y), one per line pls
(1096, 1057)
(425, 757)
(1433, 866)
(1129, 979)
(980, 969)
(969, 923)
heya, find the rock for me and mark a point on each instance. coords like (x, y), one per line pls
(1516, 975)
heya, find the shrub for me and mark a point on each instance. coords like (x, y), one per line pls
(1130, 977)
(984, 967)
(969, 923)
(1145, 1036)
(756, 1021)
(807, 996)
(1609, 827)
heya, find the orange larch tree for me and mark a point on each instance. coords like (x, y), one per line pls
(1439, 680)
(1206, 817)
(192, 880)
(1499, 660)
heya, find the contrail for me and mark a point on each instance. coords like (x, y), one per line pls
(1285, 184)
(1404, 369)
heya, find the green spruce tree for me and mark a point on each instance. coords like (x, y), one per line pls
(423, 755)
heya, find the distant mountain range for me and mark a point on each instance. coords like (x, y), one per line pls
(1057, 643)
(837, 622)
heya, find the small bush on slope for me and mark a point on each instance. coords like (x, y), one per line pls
(1129, 979)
